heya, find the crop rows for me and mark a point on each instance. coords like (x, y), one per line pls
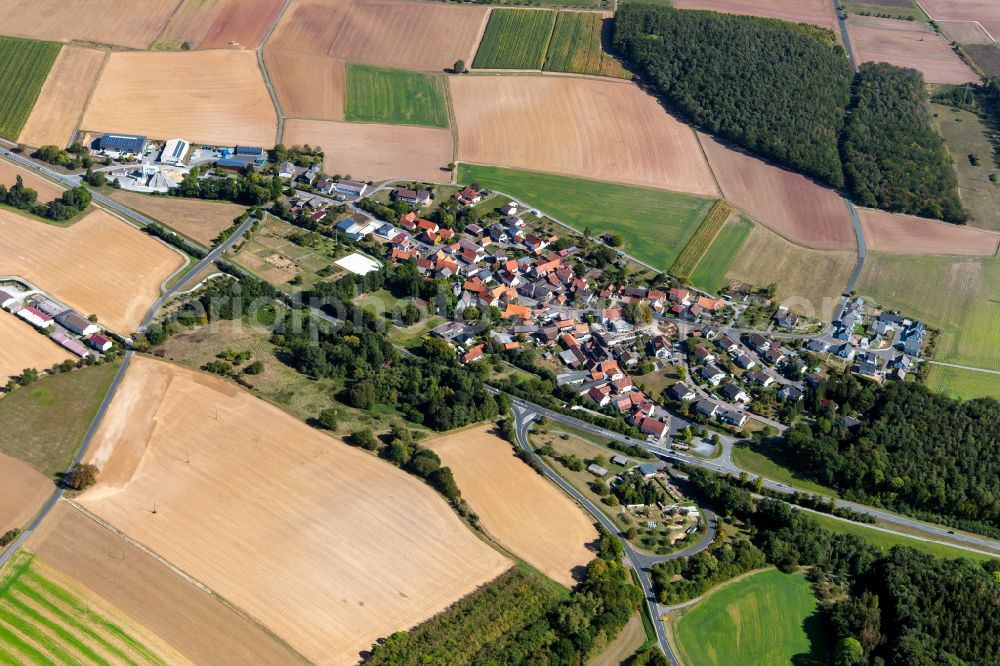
(577, 46)
(703, 238)
(375, 94)
(515, 39)
(24, 65)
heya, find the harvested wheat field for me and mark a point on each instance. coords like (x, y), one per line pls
(371, 151)
(21, 346)
(23, 490)
(307, 85)
(808, 281)
(965, 32)
(197, 625)
(130, 23)
(817, 12)
(198, 219)
(601, 130)
(987, 12)
(907, 234)
(788, 203)
(424, 36)
(323, 544)
(907, 44)
(47, 190)
(99, 265)
(517, 506)
(214, 97)
(63, 98)
(219, 24)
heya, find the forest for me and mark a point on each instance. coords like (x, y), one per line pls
(915, 452)
(893, 158)
(778, 89)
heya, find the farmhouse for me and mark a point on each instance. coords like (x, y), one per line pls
(35, 317)
(76, 323)
(122, 143)
(174, 151)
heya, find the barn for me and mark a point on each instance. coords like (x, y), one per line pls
(174, 151)
(122, 143)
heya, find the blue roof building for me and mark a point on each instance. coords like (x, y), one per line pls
(122, 143)
(253, 151)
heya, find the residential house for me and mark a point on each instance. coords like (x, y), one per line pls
(412, 197)
(286, 170)
(706, 407)
(703, 354)
(733, 393)
(654, 429)
(309, 175)
(817, 346)
(681, 391)
(743, 360)
(785, 319)
(509, 208)
(734, 418)
(468, 197)
(352, 188)
(790, 392)
(713, 374)
(99, 342)
(659, 347)
(760, 377)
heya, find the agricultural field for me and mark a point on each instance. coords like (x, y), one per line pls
(899, 9)
(596, 129)
(392, 555)
(631, 638)
(123, 266)
(907, 44)
(45, 619)
(808, 281)
(63, 97)
(24, 66)
(965, 32)
(224, 98)
(786, 202)
(21, 346)
(48, 444)
(758, 620)
(955, 294)
(421, 36)
(964, 384)
(219, 24)
(986, 57)
(47, 190)
(379, 95)
(966, 135)
(133, 25)
(307, 85)
(634, 213)
(270, 254)
(906, 234)
(22, 493)
(987, 12)
(517, 506)
(702, 239)
(577, 46)
(377, 152)
(200, 627)
(198, 219)
(515, 39)
(710, 275)
(816, 12)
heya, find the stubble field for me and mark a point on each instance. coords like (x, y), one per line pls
(965, 32)
(22, 493)
(218, 24)
(63, 97)
(596, 129)
(907, 44)
(986, 12)
(134, 25)
(307, 85)
(24, 66)
(986, 56)
(906, 234)
(215, 97)
(382, 552)
(516, 505)
(371, 151)
(99, 265)
(816, 12)
(47, 190)
(786, 202)
(421, 36)
(21, 346)
(197, 219)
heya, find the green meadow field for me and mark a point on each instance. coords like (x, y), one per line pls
(702, 239)
(24, 65)
(515, 39)
(655, 225)
(379, 95)
(710, 274)
(964, 384)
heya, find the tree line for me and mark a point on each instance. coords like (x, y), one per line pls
(72, 202)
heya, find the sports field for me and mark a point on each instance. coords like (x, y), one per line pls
(656, 225)
(43, 621)
(65, 93)
(956, 294)
(577, 46)
(515, 39)
(710, 274)
(702, 239)
(965, 384)
(24, 66)
(966, 135)
(379, 95)
(763, 619)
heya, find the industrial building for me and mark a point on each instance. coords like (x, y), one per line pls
(77, 323)
(174, 151)
(250, 151)
(122, 143)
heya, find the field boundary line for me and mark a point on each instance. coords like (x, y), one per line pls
(479, 37)
(166, 25)
(704, 156)
(280, 130)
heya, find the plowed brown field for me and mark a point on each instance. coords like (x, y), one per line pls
(517, 506)
(817, 12)
(965, 32)
(99, 265)
(23, 490)
(217, 24)
(410, 35)
(307, 85)
(597, 129)
(907, 44)
(130, 23)
(986, 12)
(907, 234)
(215, 97)
(63, 97)
(181, 614)
(790, 204)
(376, 152)
(197, 219)
(21, 346)
(323, 544)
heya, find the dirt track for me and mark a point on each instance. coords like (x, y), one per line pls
(322, 543)
(63, 97)
(908, 44)
(907, 234)
(518, 506)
